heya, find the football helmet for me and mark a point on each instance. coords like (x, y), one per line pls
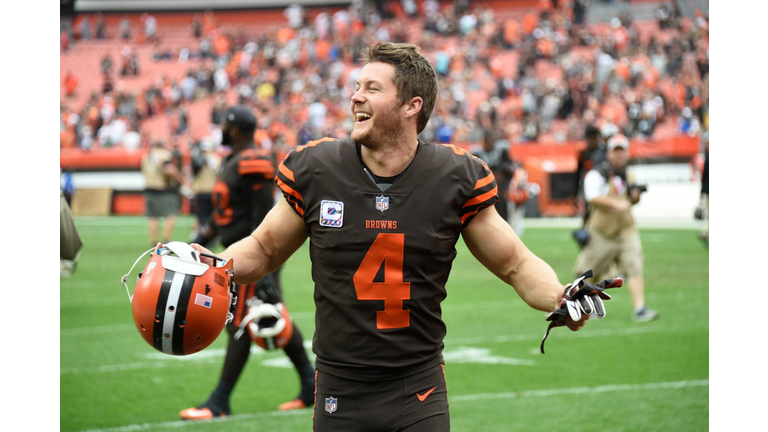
(180, 304)
(269, 325)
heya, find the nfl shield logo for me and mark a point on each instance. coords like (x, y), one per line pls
(330, 404)
(382, 203)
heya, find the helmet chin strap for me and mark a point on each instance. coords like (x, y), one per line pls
(125, 276)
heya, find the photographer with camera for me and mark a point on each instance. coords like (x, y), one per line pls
(613, 238)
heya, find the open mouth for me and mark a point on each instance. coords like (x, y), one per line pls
(362, 117)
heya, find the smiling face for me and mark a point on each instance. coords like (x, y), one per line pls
(376, 109)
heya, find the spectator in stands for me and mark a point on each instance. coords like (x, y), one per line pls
(125, 29)
(189, 86)
(64, 40)
(85, 27)
(150, 28)
(130, 61)
(101, 26)
(196, 26)
(610, 191)
(219, 109)
(294, 13)
(162, 179)
(70, 84)
(221, 80)
(554, 80)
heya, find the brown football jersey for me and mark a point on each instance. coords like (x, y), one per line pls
(243, 194)
(380, 260)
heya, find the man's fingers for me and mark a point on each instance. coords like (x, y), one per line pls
(586, 304)
(599, 306)
(575, 325)
(574, 311)
(203, 251)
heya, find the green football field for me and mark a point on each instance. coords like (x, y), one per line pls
(613, 375)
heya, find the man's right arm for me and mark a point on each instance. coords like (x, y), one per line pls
(280, 234)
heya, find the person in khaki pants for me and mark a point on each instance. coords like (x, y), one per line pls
(162, 179)
(610, 191)
(70, 243)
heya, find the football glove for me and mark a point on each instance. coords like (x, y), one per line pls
(581, 297)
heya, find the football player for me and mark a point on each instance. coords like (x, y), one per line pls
(383, 211)
(242, 196)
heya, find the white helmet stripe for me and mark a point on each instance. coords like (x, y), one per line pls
(171, 307)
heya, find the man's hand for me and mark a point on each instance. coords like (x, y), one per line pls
(205, 254)
(580, 300)
(621, 205)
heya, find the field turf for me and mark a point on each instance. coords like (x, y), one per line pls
(614, 375)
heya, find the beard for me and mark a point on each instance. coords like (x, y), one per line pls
(378, 131)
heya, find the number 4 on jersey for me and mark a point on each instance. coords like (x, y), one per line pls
(387, 248)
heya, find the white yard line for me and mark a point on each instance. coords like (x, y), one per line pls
(451, 399)
(158, 360)
(580, 390)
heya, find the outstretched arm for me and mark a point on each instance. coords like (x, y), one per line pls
(280, 234)
(494, 243)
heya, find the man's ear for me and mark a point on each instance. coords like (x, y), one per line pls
(413, 106)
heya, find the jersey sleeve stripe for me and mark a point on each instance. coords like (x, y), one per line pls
(466, 216)
(483, 197)
(484, 181)
(289, 190)
(263, 167)
(286, 172)
(292, 196)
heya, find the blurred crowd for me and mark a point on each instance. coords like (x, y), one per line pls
(540, 75)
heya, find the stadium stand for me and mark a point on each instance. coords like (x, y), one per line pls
(531, 67)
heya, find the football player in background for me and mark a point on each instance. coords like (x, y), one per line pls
(383, 211)
(242, 196)
(495, 154)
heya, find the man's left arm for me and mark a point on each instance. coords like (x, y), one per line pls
(496, 245)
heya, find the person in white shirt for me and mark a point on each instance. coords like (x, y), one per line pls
(610, 192)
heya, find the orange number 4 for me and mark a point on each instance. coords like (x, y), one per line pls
(387, 248)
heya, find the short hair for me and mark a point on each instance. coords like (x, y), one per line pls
(414, 75)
